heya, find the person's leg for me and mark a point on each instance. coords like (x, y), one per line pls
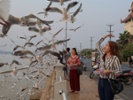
(72, 85)
(101, 89)
(108, 93)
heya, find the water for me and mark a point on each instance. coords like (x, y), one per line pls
(11, 85)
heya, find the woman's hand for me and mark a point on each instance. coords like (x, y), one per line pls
(106, 72)
(108, 35)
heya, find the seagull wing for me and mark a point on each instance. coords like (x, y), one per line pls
(70, 5)
(17, 47)
(61, 41)
(23, 52)
(31, 37)
(54, 9)
(76, 12)
(39, 42)
(57, 33)
(33, 29)
(23, 38)
(46, 29)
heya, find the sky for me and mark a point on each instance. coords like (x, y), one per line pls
(95, 18)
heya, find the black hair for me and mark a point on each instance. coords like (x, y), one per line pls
(75, 50)
(67, 49)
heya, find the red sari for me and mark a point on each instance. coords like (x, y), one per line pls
(72, 63)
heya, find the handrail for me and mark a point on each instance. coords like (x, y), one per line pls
(61, 92)
(60, 78)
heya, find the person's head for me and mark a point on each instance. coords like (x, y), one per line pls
(112, 48)
(64, 52)
(68, 49)
(74, 51)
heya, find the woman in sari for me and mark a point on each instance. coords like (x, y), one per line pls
(73, 62)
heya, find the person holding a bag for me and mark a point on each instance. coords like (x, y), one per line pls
(109, 64)
(73, 62)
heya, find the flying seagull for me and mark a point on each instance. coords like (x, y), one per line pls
(53, 35)
(2, 64)
(45, 12)
(14, 70)
(39, 30)
(60, 1)
(74, 29)
(75, 13)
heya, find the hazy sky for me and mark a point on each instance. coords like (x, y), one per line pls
(96, 15)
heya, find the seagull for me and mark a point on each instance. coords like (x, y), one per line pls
(53, 35)
(4, 12)
(44, 47)
(14, 70)
(23, 52)
(22, 89)
(26, 19)
(11, 21)
(51, 52)
(39, 30)
(61, 1)
(61, 11)
(61, 41)
(26, 57)
(31, 37)
(51, 45)
(15, 62)
(70, 5)
(74, 29)
(29, 44)
(38, 43)
(2, 64)
(75, 13)
(45, 12)
(37, 22)
(18, 46)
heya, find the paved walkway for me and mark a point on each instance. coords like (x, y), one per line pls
(88, 90)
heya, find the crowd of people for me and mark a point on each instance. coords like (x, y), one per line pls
(71, 61)
(109, 59)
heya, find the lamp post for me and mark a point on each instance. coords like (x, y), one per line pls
(66, 34)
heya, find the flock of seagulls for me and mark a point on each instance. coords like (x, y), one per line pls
(37, 54)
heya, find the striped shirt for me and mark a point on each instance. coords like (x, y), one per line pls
(112, 63)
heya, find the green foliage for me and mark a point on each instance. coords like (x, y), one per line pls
(125, 43)
(86, 52)
(127, 51)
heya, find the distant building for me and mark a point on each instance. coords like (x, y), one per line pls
(128, 21)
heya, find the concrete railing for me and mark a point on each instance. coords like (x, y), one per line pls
(56, 86)
(48, 92)
(60, 86)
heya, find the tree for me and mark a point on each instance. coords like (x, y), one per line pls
(127, 52)
(86, 52)
(125, 43)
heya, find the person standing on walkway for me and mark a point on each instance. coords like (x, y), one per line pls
(67, 56)
(72, 63)
(110, 64)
